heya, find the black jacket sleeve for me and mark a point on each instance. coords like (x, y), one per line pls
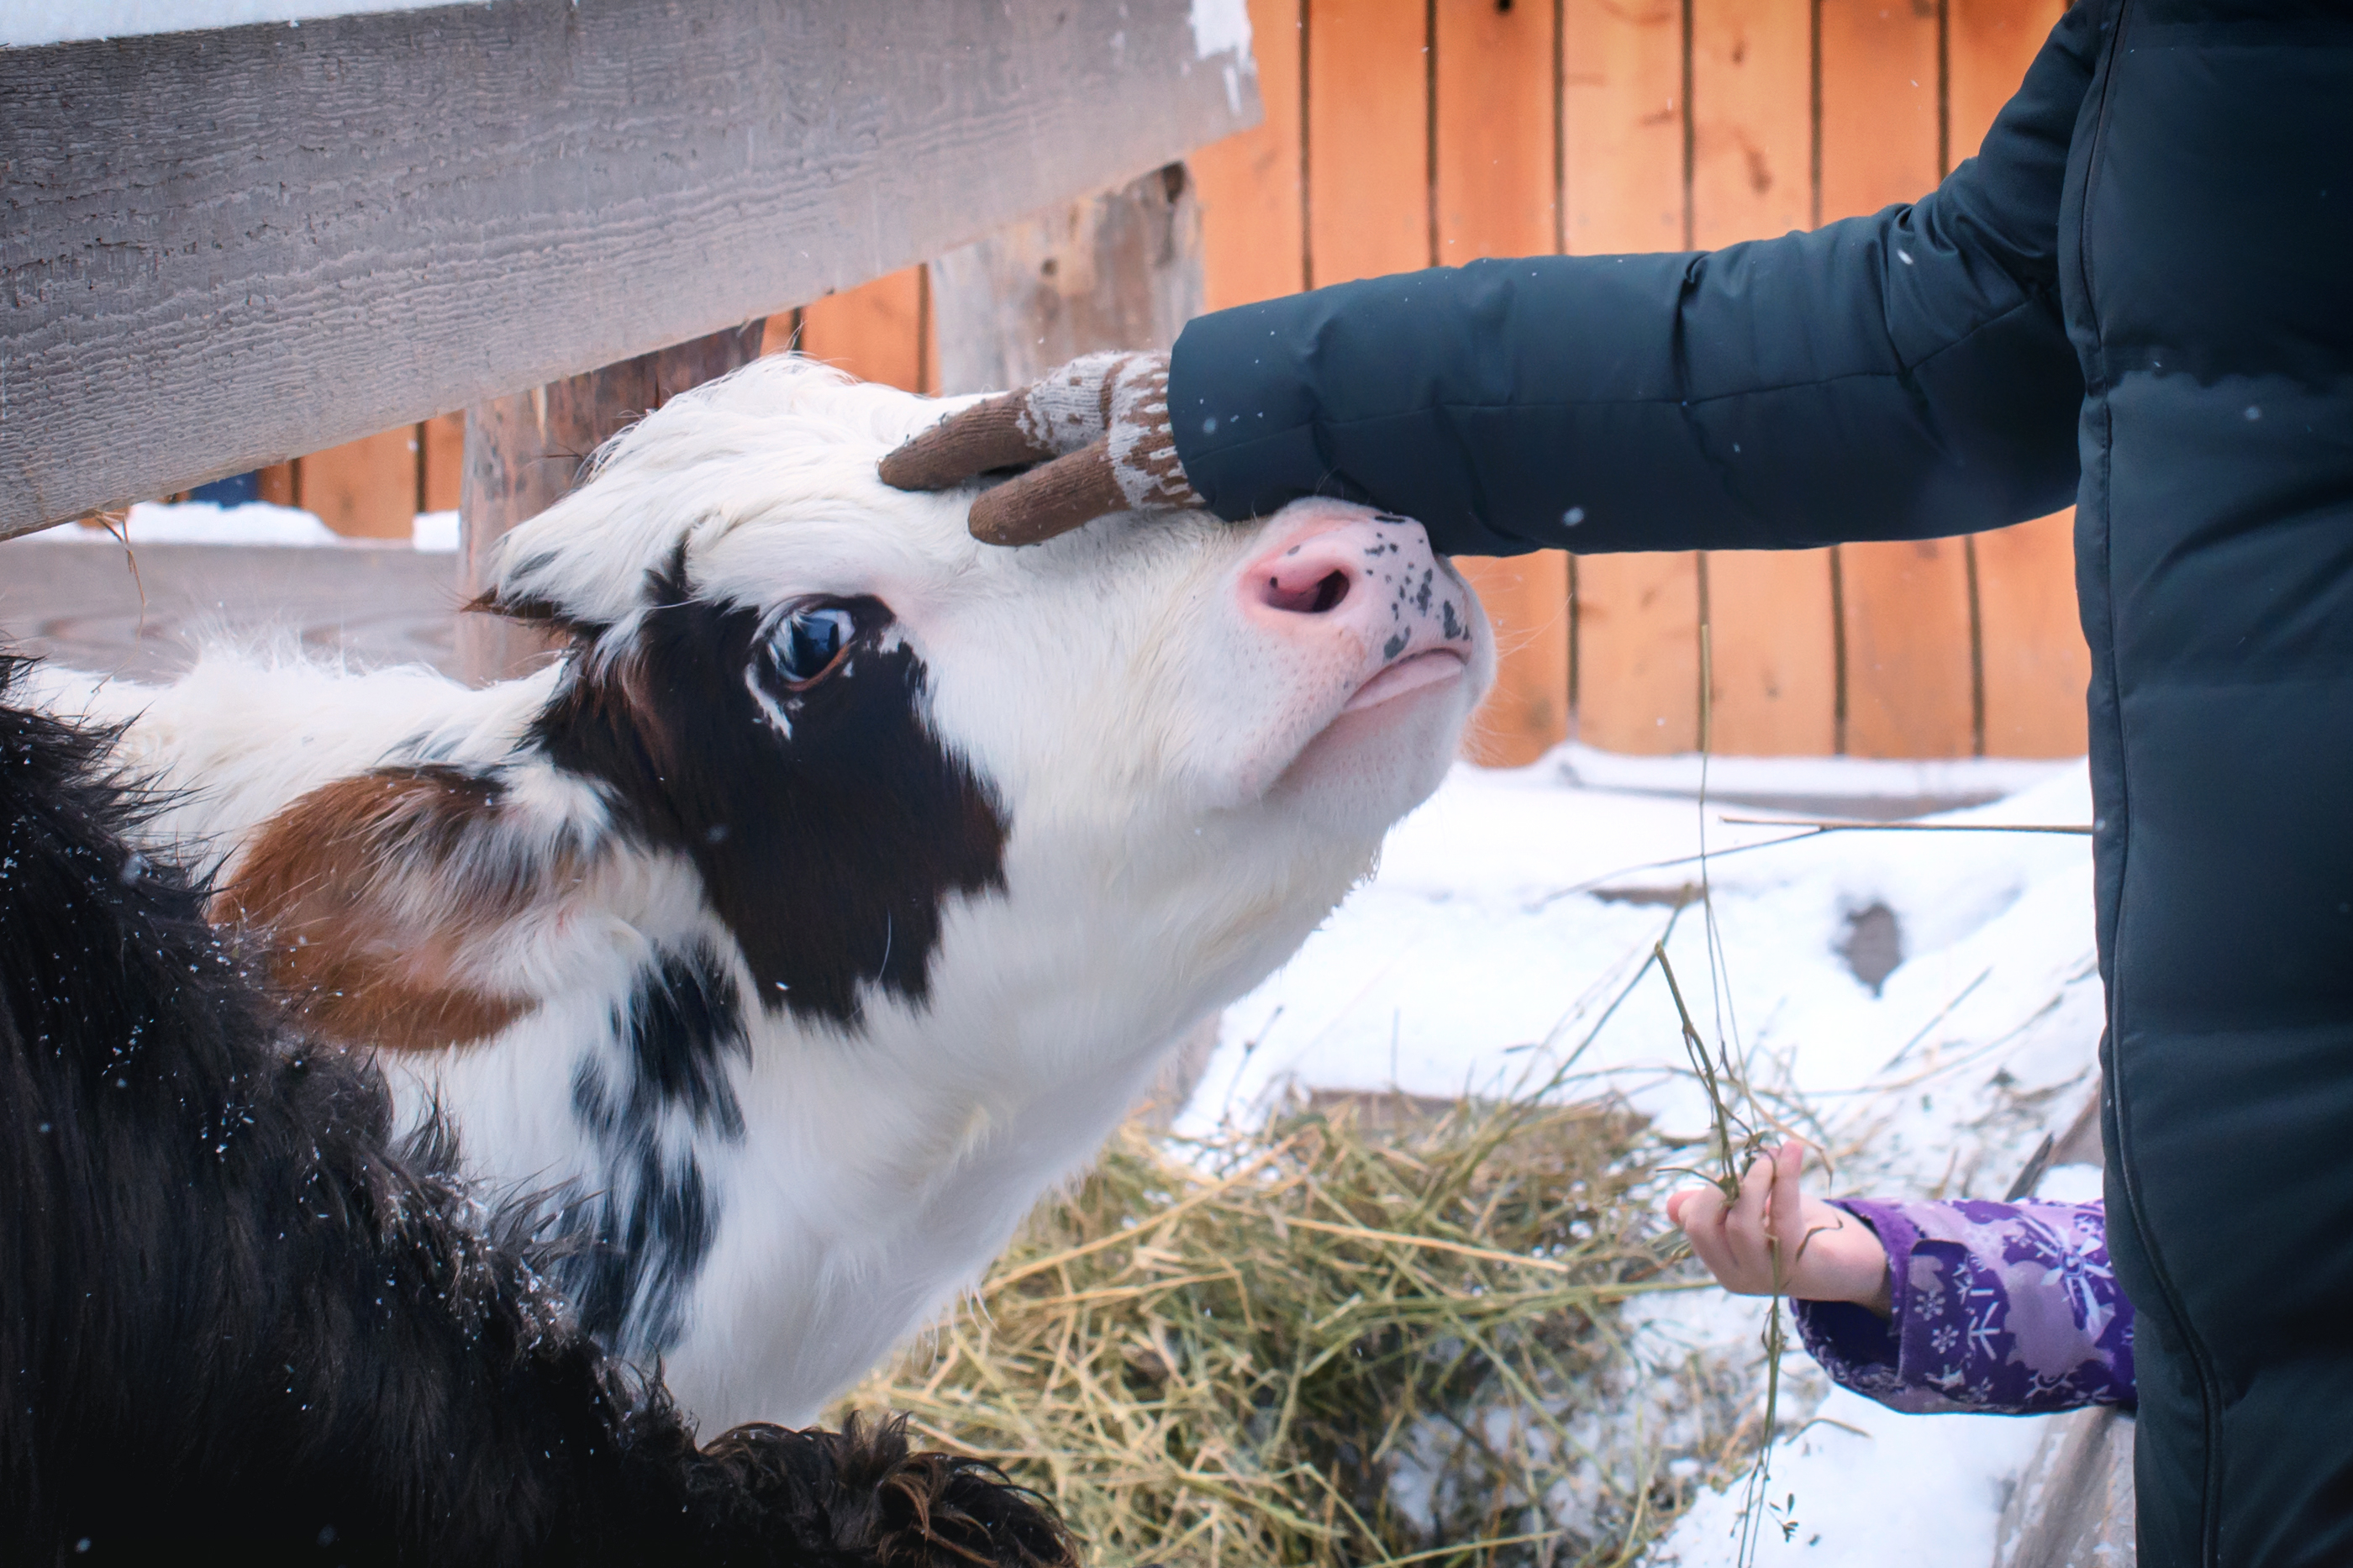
(1904, 375)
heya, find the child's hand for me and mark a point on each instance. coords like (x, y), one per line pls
(1823, 1254)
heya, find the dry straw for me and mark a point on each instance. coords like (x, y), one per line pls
(1376, 1330)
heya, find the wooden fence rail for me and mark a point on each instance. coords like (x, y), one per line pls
(1404, 133)
(225, 245)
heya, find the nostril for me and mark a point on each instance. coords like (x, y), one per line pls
(1301, 595)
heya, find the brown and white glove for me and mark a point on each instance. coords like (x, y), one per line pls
(1098, 430)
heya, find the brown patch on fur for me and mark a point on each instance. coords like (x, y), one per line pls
(331, 885)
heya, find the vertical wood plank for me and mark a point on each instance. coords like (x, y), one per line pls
(1772, 638)
(364, 488)
(1367, 118)
(1493, 143)
(1249, 183)
(1752, 119)
(2035, 663)
(1991, 43)
(1496, 193)
(1879, 131)
(1638, 652)
(1622, 127)
(444, 457)
(275, 484)
(876, 331)
(1526, 599)
(1911, 688)
(1773, 653)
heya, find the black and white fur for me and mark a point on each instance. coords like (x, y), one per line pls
(235, 1314)
(806, 983)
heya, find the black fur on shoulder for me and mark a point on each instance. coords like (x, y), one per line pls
(234, 1314)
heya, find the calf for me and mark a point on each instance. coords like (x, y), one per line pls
(844, 882)
(233, 1313)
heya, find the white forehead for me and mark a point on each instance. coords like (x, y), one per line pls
(765, 474)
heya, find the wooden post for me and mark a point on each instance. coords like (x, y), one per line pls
(1624, 117)
(1772, 643)
(1907, 604)
(525, 451)
(1252, 183)
(1495, 191)
(1120, 270)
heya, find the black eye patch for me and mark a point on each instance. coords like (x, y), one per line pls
(827, 852)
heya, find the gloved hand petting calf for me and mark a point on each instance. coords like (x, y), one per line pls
(1098, 430)
(1927, 1307)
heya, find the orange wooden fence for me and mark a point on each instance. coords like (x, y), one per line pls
(1404, 133)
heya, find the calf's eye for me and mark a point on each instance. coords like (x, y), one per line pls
(812, 641)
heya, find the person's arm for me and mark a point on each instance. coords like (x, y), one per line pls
(1901, 376)
(1996, 1309)
(2008, 1309)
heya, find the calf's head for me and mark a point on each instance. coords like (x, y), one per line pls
(1182, 738)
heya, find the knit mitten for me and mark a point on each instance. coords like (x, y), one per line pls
(1096, 430)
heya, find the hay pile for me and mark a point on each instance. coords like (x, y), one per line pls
(1376, 1331)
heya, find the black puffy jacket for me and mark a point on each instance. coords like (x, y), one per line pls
(2140, 296)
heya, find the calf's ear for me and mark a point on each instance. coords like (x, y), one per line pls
(534, 611)
(373, 898)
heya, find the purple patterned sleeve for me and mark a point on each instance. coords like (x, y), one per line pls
(1998, 1308)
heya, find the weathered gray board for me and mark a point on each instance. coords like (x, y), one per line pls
(223, 248)
(2073, 1505)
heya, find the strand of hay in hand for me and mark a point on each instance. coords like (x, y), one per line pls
(1378, 1331)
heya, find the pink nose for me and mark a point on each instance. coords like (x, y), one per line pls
(1312, 578)
(1369, 578)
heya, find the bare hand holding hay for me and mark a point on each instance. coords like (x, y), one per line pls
(1776, 1241)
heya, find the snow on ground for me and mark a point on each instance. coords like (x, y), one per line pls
(1504, 943)
(434, 530)
(252, 523)
(1861, 1484)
